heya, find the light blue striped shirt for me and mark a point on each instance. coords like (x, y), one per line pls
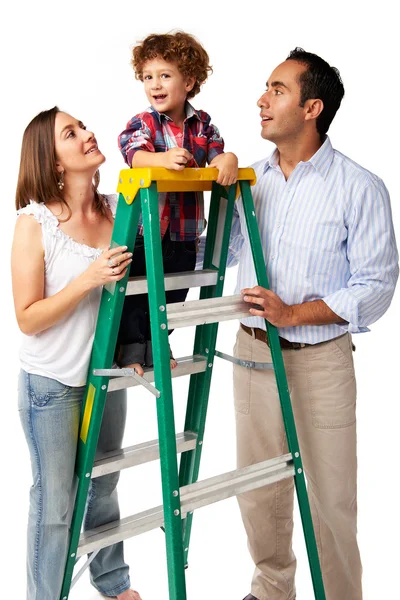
(327, 233)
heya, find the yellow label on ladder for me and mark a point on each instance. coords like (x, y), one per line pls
(88, 413)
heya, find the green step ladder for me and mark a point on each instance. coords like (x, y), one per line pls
(182, 493)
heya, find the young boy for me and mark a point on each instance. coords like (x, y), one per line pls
(170, 134)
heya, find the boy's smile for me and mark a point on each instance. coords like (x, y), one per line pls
(167, 88)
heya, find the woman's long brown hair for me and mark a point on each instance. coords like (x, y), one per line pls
(38, 176)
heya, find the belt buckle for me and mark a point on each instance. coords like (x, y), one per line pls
(298, 345)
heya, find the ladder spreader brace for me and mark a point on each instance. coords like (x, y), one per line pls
(182, 493)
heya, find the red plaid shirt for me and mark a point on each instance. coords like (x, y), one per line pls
(152, 131)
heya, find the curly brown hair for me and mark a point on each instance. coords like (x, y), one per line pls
(181, 48)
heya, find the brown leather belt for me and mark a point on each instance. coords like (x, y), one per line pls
(260, 334)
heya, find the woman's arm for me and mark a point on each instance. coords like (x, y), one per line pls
(34, 312)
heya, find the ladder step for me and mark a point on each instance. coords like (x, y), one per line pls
(187, 365)
(175, 281)
(193, 496)
(124, 458)
(199, 312)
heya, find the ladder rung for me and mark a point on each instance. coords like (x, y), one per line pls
(124, 458)
(211, 310)
(175, 281)
(193, 496)
(187, 365)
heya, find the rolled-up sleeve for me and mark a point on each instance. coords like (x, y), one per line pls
(136, 136)
(373, 260)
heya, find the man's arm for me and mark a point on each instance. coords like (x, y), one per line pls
(373, 260)
(282, 315)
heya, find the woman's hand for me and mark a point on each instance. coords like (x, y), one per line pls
(110, 266)
(34, 312)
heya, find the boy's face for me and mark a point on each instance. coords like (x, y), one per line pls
(166, 88)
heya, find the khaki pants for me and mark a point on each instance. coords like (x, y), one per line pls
(323, 393)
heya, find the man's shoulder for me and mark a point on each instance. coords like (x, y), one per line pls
(259, 165)
(353, 170)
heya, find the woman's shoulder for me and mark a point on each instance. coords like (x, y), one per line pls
(39, 211)
(41, 215)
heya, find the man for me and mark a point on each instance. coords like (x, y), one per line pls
(331, 258)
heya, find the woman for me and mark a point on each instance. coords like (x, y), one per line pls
(60, 261)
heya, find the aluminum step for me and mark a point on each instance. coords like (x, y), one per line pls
(117, 460)
(175, 281)
(187, 365)
(199, 312)
(193, 496)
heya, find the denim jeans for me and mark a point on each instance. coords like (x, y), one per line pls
(49, 412)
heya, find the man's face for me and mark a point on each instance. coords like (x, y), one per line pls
(282, 117)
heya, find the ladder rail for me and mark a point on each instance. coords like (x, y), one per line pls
(284, 398)
(164, 404)
(110, 311)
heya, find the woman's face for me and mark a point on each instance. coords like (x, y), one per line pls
(76, 147)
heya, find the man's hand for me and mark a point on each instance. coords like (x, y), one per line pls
(227, 165)
(176, 159)
(272, 307)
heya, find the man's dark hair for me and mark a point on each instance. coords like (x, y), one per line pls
(321, 81)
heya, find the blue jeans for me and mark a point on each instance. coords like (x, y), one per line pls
(50, 412)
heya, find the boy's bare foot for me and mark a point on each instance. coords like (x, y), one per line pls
(173, 363)
(129, 595)
(139, 370)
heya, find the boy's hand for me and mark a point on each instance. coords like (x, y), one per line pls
(227, 165)
(176, 159)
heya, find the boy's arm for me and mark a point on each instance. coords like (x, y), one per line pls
(227, 165)
(174, 159)
(137, 146)
(225, 162)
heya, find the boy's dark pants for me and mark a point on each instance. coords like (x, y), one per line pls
(134, 331)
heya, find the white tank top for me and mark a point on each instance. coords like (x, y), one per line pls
(63, 351)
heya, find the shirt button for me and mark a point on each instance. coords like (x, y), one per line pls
(272, 257)
(165, 218)
(278, 225)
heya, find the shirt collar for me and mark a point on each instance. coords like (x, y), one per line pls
(321, 160)
(189, 111)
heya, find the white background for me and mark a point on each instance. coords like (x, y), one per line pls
(77, 55)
